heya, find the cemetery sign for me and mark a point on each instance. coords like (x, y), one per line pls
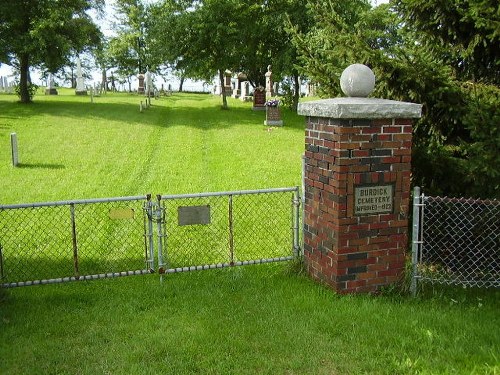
(373, 199)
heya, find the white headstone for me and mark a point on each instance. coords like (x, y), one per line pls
(13, 143)
(1, 83)
(50, 80)
(149, 84)
(269, 82)
(80, 84)
(244, 89)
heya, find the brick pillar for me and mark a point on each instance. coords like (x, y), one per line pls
(357, 191)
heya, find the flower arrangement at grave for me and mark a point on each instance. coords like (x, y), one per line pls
(272, 103)
(273, 113)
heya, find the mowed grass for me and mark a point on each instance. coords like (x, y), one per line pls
(268, 319)
(72, 149)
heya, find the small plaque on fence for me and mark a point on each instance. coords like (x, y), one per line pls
(121, 213)
(373, 199)
(192, 215)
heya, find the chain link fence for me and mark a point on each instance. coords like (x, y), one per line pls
(73, 240)
(54, 242)
(456, 241)
(215, 230)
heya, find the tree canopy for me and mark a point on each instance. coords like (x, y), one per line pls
(208, 36)
(421, 53)
(43, 33)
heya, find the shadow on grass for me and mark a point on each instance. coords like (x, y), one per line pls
(40, 166)
(194, 110)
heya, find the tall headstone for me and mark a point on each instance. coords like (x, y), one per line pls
(311, 89)
(149, 84)
(269, 82)
(50, 90)
(140, 88)
(245, 90)
(1, 84)
(80, 83)
(228, 88)
(357, 186)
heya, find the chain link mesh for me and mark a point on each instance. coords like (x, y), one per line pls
(241, 228)
(460, 242)
(50, 241)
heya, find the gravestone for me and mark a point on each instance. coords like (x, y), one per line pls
(259, 99)
(228, 88)
(1, 84)
(14, 149)
(50, 90)
(140, 88)
(245, 90)
(357, 186)
(269, 82)
(80, 84)
(148, 84)
(311, 89)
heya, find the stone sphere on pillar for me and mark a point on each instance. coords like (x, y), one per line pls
(357, 80)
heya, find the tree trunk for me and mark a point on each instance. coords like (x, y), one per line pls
(296, 91)
(104, 79)
(221, 81)
(181, 83)
(23, 82)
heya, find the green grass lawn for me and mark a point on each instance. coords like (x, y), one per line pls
(267, 319)
(72, 149)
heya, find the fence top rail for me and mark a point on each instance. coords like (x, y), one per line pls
(227, 193)
(462, 200)
(73, 202)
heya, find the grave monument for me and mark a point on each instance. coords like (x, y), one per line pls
(269, 82)
(80, 84)
(50, 90)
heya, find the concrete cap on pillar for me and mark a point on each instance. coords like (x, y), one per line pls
(357, 82)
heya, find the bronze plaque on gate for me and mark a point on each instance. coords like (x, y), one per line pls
(373, 199)
(121, 213)
(193, 215)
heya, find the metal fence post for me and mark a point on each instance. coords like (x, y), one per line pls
(150, 242)
(75, 244)
(1, 263)
(295, 222)
(415, 239)
(159, 217)
(231, 231)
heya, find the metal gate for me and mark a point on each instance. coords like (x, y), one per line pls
(54, 242)
(216, 230)
(455, 241)
(51, 242)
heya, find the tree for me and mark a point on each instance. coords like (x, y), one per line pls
(460, 115)
(129, 48)
(43, 33)
(204, 37)
(464, 32)
(200, 37)
(463, 35)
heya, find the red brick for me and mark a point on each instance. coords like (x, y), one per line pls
(403, 121)
(391, 129)
(382, 122)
